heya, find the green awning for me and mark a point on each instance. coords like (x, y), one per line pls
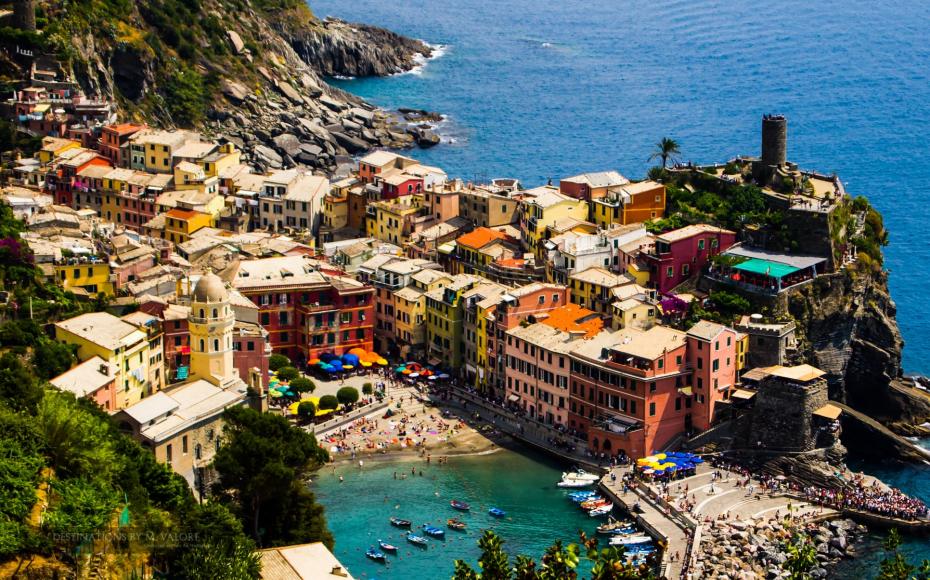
(766, 268)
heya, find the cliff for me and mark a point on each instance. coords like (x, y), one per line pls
(252, 71)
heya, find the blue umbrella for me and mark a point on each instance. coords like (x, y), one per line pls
(696, 459)
(336, 364)
(327, 357)
(332, 369)
(350, 359)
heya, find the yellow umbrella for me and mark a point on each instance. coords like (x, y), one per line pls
(365, 363)
(348, 367)
(660, 456)
(382, 362)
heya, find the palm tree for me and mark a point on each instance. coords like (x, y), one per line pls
(666, 149)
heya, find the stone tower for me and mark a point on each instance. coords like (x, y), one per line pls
(774, 140)
(24, 14)
(211, 329)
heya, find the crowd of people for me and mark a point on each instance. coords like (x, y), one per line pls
(873, 498)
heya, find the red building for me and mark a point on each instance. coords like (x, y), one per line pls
(176, 338)
(680, 254)
(305, 311)
(712, 353)
(113, 138)
(61, 179)
(398, 184)
(251, 349)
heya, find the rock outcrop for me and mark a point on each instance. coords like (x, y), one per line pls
(340, 48)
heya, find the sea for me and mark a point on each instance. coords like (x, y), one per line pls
(522, 483)
(542, 89)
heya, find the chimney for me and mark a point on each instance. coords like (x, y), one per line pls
(105, 369)
(338, 571)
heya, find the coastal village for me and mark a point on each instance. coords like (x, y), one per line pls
(584, 317)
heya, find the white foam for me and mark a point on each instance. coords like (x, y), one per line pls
(421, 61)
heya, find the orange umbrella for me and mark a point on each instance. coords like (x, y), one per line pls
(358, 351)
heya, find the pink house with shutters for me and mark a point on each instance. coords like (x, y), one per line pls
(680, 254)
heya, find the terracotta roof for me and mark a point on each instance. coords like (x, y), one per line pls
(479, 238)
(572, 317)
(123, 128)
(183, 214)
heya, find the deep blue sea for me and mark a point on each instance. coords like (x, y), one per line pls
(540, 88)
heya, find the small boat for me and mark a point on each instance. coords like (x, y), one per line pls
(418, 540)
(434, 531)
(601, 511)
(497, 512)
(630, 540)
(593, 503)
(627, 531)
(580, 474)
(581, 495)
(459, 505)
(612, 525)
(399, 523)
(387, 547)
(455, 524)
(376, 555)
(575, 483)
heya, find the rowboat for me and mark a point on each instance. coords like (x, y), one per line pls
(601, 510)
(434, 531)
(387, 547)
(459, 505)
(630, 540)
(611, 526)
(376, 555)
(455, 524)
(497, 512)
(399, 523)
(418, 540)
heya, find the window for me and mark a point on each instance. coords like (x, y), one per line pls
(652, 409)
(685, 269)
(202, 346)
(714, 243)
(168, 454)
(198, 451)
(700, 244)
(250, 345)
(716, 365)
(670, 272)
(266, 319)
(216, 345)
(542, 299)
(285, 337)
(184, 444)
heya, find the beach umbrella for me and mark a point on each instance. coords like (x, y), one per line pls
(648, 471)
(350, 359)
(348, 367)
(313, 361)
(432, 377)
(414, 375)
(659, 456)
(336, 364)
(332, 369)
(292, 408)
(358, 351)
(382, 362)
(327, 357)
(365, 363)
(406, 371)
(696, 459)
(426, 373)
(400, 369)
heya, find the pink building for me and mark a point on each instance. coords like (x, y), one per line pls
(93, 379)
(680, 254)
(538, 370)
(712, 358)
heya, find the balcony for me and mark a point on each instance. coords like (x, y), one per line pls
(317, 307)
(616, 424)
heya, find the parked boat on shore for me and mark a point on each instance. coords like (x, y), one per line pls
(630, 540)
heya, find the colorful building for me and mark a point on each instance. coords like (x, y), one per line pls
(121, 345)
(445, 321)
(542, 206)
(629, 203)
(473, 252)
(180, 224)
(91, 276)
(93, 379)
(591, 186)
(680, 254)
(114, 142)
(592, 288)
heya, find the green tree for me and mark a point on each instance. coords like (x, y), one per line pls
(19, 389)
(895, 566)
(665, 150)
(79, 507)
(329, 402)
(802, 557)
(288, 373)
(50, 358)
(76, 442)
(306, 410)
(219, 548)
(262, 468)
(278, 361)
(367, 389)
(347, 395)
(303, 385)
(186, 95)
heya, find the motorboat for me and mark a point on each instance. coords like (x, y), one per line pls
(580, 474)
(497, 512)
(387, 547)
(400, 523)
(459, 505)
(573, 483)
(590, 504)
(630, 540)
(434, 531)
(376, 555)
(418, 540)
(455, 524)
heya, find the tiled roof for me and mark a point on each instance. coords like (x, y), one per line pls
(479, 238)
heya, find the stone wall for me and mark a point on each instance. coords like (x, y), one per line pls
(782, 417)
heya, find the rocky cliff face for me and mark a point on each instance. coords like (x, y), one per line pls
(849, 330)
(251, 71)
(339, 48)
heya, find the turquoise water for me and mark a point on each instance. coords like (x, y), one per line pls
(523, 485)
(543, 88)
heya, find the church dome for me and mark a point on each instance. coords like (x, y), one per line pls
(210, 289)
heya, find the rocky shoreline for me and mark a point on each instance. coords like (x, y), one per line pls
(747, 550)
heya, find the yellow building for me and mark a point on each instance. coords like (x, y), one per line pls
(591, 288)
(445, 321)
(630, 203)
(633, 313)
(480, 303)
(410, 309)
(153, 151)
(742, 349)
(471, 252)
(92, 277)
(542, 207)
(52, 147)
(393, 219)
(181, 223)
(224, 157)
(124, 347)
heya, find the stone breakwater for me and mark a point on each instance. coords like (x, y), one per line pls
(749, 550)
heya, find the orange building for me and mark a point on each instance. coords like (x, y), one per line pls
(114, 140)
(628, 204)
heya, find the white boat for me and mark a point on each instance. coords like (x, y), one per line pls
(575, 483)
(601, 510)
(629, 540)
(580, 475)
